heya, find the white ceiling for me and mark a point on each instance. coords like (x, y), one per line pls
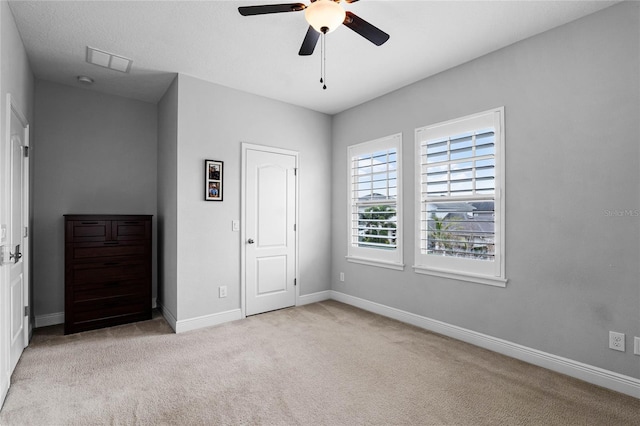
(210, 40)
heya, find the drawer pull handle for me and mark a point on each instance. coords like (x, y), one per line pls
(112, 284)
(113, 243)
(111, 263)
(132, 223)
(89, 223)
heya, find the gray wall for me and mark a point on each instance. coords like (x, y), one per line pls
(16, 77)
(95, 153)
(213, 121)
(571, 99)
(168, 199)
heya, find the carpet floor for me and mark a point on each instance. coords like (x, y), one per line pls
(322, 364)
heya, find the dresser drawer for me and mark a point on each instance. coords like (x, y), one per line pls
(108, 249)
(130, 230)
(101, 272)
(104, 290)
(117, 305)
(88, 230)
(110, 309)
(107, 228)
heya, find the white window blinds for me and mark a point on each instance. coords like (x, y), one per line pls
(375, 202)
(460, 207)
(458, 184)
(374, 214)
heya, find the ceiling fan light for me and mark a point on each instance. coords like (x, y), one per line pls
(324, 14)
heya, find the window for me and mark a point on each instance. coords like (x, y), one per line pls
(375, 191)
(459, 199)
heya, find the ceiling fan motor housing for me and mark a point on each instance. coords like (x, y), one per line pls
(324, 15)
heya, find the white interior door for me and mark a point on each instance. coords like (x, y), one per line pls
(17, 236)
(269, 235)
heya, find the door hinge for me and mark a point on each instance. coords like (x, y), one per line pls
(26, 231)
(295, 171)
(294, 227)
(26, 151)
(27, 311)
(295, 281)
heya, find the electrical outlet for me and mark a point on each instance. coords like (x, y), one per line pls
(222, 291)
(616, 341)
(342, 276)
(636, 345)
(235, 225)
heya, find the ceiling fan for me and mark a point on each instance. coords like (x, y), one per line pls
(323, 17)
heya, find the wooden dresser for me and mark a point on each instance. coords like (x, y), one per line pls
(107, 270)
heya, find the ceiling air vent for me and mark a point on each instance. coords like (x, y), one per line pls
(108, 60)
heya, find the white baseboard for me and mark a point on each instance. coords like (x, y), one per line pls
(4, 389)
(207, 320)
(305, 299)
(49, 319)
(588, 373)
(168, 316)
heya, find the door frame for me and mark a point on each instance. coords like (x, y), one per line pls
(26, 202)
(5, 300)
(243, 218)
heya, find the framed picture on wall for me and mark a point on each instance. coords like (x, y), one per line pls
(213, 173)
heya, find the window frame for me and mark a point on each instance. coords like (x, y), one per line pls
(390, 259)
(471, 270)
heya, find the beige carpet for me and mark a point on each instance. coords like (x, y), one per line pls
(321, 364)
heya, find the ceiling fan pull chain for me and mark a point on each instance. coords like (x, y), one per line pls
(323, 59)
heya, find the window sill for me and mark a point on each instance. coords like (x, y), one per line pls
(457, 275)
(377, 263)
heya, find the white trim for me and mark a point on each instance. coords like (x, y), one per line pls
(588, 373)
(373, 256)
(26, 223)
(4, 389)
(378, 263)
(168, 316)
(243, 234)
(297, 229)
(207, 320)
(491, 273)
(49, 319)
(319, 296)
(462, 276)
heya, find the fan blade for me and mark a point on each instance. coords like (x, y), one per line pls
(270, 8)
(309, 42)
(365, 29)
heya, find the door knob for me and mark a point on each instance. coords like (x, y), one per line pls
(250, 241)
(15, 256)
